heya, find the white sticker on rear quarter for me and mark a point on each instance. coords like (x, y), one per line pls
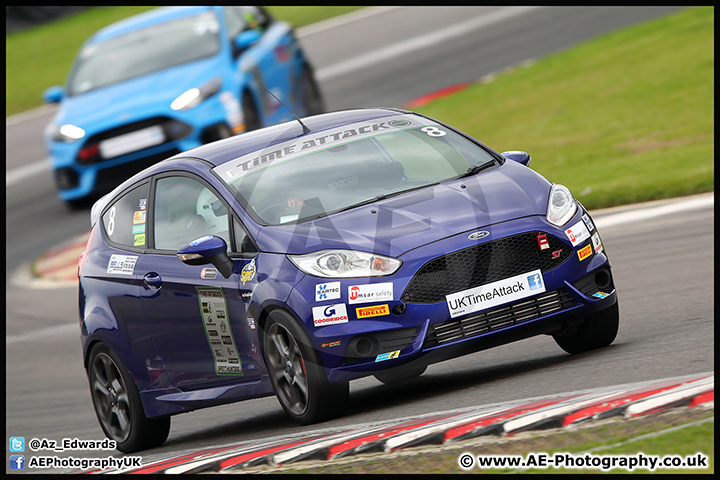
(122, 264)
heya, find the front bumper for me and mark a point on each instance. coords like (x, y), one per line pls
(405, 330)
(81, 170)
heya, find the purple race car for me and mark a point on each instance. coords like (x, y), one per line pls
(289, 262)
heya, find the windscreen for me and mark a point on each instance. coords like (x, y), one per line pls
(333, 170)
(145, 51)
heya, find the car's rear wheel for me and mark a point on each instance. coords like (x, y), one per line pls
(118, 406)
(598, 330)
(391, 377)
(312, 97)
(297, 377)
(250, 112)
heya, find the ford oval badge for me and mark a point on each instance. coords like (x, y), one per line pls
(478, 235)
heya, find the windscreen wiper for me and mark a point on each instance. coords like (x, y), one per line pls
(384, 196)
(475, 169)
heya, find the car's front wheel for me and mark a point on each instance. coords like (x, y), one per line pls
(297, 377)
(118, 406)
(598, 330)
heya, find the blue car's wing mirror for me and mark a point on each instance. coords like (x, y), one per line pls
(53, 94)
(246, 39)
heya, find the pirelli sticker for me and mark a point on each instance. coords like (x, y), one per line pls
(374, 311)
(218, 332)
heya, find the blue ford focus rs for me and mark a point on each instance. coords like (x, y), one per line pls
(298, 257)
(166, 81)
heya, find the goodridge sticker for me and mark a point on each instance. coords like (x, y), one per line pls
(496, 293)
(215, 319)
(329, 315)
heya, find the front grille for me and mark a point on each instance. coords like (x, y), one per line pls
(496, 318)
(482, 264)
(172, 129)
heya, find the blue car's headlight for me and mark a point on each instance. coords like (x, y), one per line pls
(561, 205)
(345, 264)
(66, 133)
(193, 97)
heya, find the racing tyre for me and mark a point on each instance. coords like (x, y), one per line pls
(118, 407)
(250, 112)
(598, 330)
(298, 379)
(391, 377)
(312, 97)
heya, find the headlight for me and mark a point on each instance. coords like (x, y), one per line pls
(67, 133)
(345, 264)
(194, 96)
(561, 205)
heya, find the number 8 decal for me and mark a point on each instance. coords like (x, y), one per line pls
(433, 131)
(111, 223)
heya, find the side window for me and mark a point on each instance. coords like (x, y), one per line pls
(184, 209)
(239, 19)
(124, 221)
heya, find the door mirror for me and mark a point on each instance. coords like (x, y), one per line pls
(245, 40)
(518, 156)
(209, 249)
(53, 94)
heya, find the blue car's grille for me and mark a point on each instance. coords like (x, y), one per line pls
(497, 318)
(172, 130)
(484, 263)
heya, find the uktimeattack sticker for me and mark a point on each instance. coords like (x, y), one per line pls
(578, 233)
(122, 264)
(588, 222)
(327, 291)
(330, 315)
(495, 293)
(218, 331)
(373, 292)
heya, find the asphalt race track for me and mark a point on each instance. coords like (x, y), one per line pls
(663, 264)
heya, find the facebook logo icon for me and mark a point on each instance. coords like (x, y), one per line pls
(17, 462)
(535, 282)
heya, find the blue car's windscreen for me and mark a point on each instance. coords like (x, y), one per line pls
(326, 172)
(145, 51)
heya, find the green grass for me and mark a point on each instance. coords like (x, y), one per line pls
(41, 57)
(623, 118)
